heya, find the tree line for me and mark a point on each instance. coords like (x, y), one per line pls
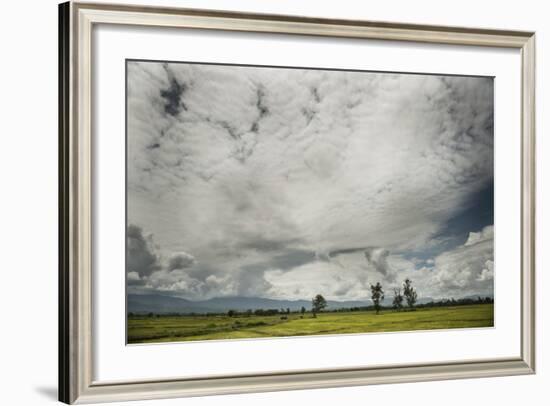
(401, 295)
(408, 294)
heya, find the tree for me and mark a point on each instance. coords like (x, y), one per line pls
(303, 310)
(409, 292)
(377, 295)
(318, 303)
(397, 299)
(231, 313)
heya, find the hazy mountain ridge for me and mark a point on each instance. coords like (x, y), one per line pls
(162, 304)
(169, 304)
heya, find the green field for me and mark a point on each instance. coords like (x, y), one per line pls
(143, 329)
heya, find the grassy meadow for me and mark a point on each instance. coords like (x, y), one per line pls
(145, 329)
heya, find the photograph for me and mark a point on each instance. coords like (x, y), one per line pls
(268, 201)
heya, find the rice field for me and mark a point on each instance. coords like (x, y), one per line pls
(144, 329)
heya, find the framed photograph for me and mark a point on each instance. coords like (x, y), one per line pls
(264, 202)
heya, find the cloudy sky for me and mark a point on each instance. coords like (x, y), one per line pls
(285, 183)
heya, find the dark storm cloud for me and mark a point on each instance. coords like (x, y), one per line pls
(292, 258)
(141, 257)
(378, 258)
(261, 104)
(134, 282)
(172, 95)
(180, 260)
(268, 245)
(476, 212)
(342, 251)
(284, 260)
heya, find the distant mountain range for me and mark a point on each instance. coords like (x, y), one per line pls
(161, 304)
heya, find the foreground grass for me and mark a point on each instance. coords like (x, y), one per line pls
(191, 328)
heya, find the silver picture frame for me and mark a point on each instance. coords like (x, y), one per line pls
(76, 21)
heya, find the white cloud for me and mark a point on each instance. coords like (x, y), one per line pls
(487, 273)
(462, 271)
(259, 162)
(466, 270)
(485, 234)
